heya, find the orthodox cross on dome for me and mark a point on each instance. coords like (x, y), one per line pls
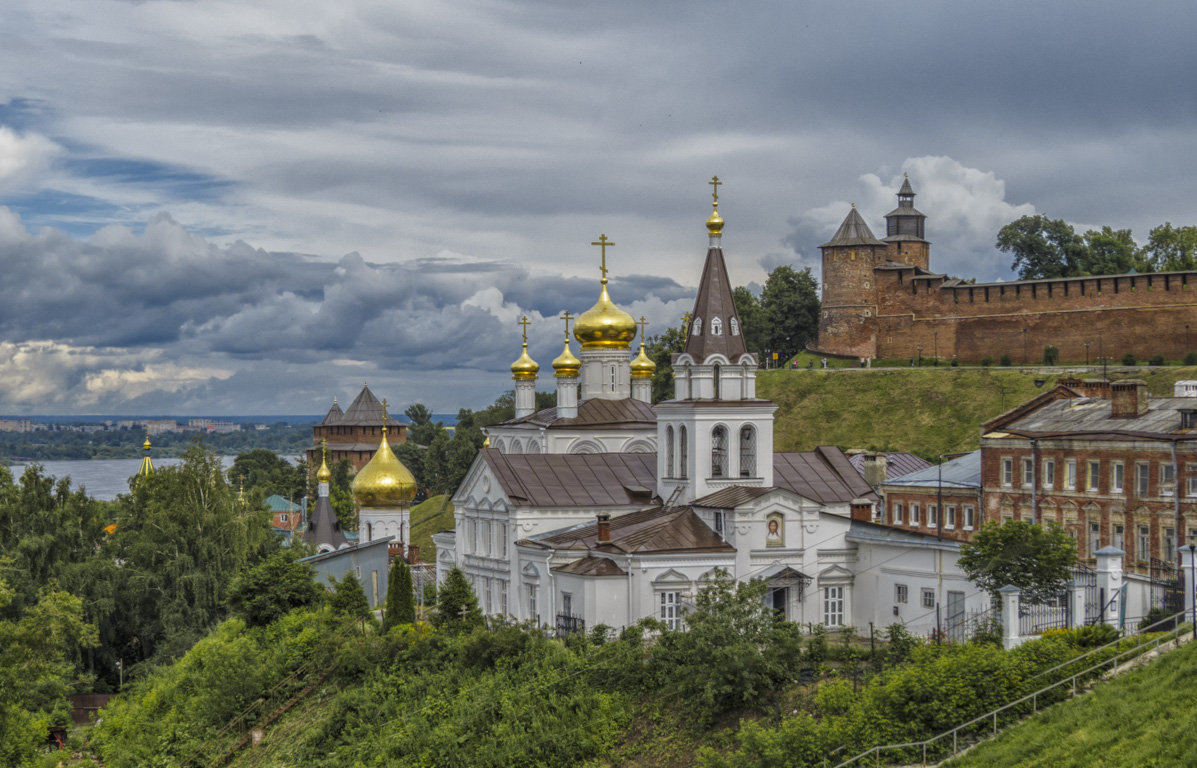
(525, 322)
(384, 415)
(567, 316)
(715, 182)
(602, 243)
(642, 323)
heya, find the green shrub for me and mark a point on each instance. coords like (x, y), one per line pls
(986, 361)
(1005, 361)
(1153, 616)
(1156, 360)
(1129, 359)
(1093, 636)
(1051, 355)
(955, 363)
(1191, 358)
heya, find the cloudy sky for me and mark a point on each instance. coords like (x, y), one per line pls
(248, 207)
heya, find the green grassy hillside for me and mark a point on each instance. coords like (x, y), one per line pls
(1144, 718)
(428, 517)
(927, 411)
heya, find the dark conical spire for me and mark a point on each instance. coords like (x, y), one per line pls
(906, 191)
(905, 222)
(853, 231)
(324, 529)
(714, 323)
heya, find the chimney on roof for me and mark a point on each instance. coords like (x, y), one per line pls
(1094, 388)
(413, 554)
(604, 529)
(861, 509)
(1128, 398)
(874, 468)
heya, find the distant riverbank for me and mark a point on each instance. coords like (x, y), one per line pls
(101, 478)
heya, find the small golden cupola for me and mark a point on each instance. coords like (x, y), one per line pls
(323, 475)
(147, 464)
(384, 483)
(604, 326)
(524, 366)
(642, 366)
(715, 223)
(567, 364)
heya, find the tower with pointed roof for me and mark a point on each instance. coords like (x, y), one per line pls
(324, 529)
(849, 296)
(904, 231)
(353, 434)
(715, 432)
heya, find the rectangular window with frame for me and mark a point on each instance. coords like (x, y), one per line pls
(1007, 471)
(932, 515)
(928, 598)
(1028, 472)
(1092, 475)
(1142, 478)
(1167, 479)
(670, 614)
(1117, 476)
(533, 611)
(900, 593)
(1070, 474)
(567, 603)
(1049, 474)
(283, 517)
(897, 513)
(1094, 538)
(970, 516)
(719, 523)
(914, 513)
(1143, 545)
(1168, 545)
(1118, 537)
(833, 606)
(950, 512)
(502, 584)
(1191, 480)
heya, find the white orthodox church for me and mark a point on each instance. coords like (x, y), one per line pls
(608, 508)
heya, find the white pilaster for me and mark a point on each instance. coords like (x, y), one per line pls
(606, 373)
(567, 397)
(1186, 573)
(525, 397)
(1109, 583)
(1010, 595)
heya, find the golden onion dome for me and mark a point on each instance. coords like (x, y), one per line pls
(642, 366)
(323, 475)
(567, 364)
(384, 482)
(715, 223)
(146, 445)
(524, 366)
(604, 325)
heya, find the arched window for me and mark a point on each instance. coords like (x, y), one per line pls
(533, 446)
(716, 326)
(747, 451)
(669, 451)
(717, 376)
(697, 327)
(719, 451)
(683, 451)
(734, 324)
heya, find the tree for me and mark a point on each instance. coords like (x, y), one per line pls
(661, 349)
(456, 605)
(1111, 252)
(1042, 247)
(348, 598)
(1034, 558)
(790, 309)
(263, 469)
(752, 320)
(271, 589)
(422, 429)
(401, 599)
(1171, 248)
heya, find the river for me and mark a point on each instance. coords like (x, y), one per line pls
(101, 478)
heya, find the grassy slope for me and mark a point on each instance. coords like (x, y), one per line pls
(428, 517)
(927, 411)
(1144, 718)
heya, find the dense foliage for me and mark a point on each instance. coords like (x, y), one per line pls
(264, 593)
(52, 445)
(1036, 559)
(1044, 248)
(401, 599)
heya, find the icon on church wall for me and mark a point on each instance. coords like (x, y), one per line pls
(775, 531)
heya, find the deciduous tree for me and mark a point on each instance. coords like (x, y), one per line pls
(1032, 557)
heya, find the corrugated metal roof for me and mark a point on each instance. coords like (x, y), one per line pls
(1092, 416)
(823, 475)
(574, 480)
(651, 530)
(853, 231)
(730, 498)
(862, 531)
(594, 413)
(961, 472)
(592, 565)
(896, 463)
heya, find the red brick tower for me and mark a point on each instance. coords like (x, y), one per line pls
(850, 289)
(904, 231)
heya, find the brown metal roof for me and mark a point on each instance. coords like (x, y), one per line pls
(334, 415)
(592, 565)
(897, 463)
(1091, 417)
(575, 480)
(824, 475)
(595, 413)
(645, 531)
(714, 300)
(853, 231)
(365, 410)
(730, 498)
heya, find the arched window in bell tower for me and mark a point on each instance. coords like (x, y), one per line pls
(747, 451)
(683, 451)
(669, 451)
(719, 451)
(717, 376)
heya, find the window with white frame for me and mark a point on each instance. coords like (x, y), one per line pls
(900, 593)
(1117, 476)
(950, 512)
(1168, 545)
(1094, 538)
(747, 451)
(932, 516)
(1049, 474)
(502, 539)
(833, 606)
(719, 523)
(488, 598)
(1028, 472)
(1142, 478)
(1143, 545)
(669, 451)
(1190, 479)
(1070, 474)
(1093, 475)
(914, 513)
(970, 517)
(670, 613)
(533, 606)
(283, 517)
(567, 604)
(719, 451)
(1007, 471)
(897, 513)
(1118, 539)
(683, 453)
(928, 598)
(486, 538)
(1167, 479)
(502, 583)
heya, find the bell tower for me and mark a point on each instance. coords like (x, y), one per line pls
(904, 231)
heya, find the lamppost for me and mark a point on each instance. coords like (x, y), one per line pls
(920, 349)
(1087, 353)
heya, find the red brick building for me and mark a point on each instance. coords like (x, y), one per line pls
(1107, 462)
(880, 299)
(914, 501)
(353, 434)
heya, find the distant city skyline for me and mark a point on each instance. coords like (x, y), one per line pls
(246, 207)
